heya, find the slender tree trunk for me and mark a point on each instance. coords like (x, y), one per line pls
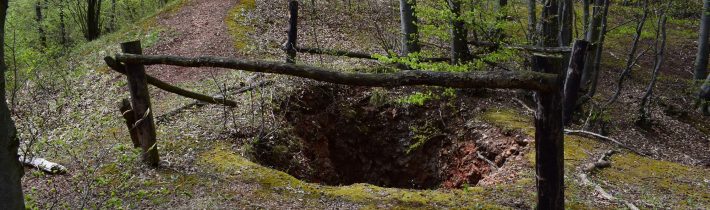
(532, 20)
(459, 34)
(595, 36)
(566, 8)
(632, 57)
(410, 30)
(40, 27)
(93, 17)
(701, 59)
(112, 24)
(62, 25)
(10, 168)
(660, 47)
(549, 127)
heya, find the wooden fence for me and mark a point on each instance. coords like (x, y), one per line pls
(549, 87)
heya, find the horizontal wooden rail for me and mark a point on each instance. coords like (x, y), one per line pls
(171, 88)
(532, 49)
(475, 79)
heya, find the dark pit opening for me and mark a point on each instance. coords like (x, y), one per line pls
(360, 135)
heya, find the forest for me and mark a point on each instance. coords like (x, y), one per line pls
(354, 104)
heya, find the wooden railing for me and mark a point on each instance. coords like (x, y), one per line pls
(548, 87)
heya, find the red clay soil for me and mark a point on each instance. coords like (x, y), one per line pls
(200, 30)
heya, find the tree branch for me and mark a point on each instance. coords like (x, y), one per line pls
(599, 136)
(476, 79)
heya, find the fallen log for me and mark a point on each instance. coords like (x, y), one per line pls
(543, 82)
(171, 88)
(531, 49)
(334, 52)
(44, 165)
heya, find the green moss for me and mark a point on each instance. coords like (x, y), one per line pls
(238, 24)
(679, 186)
(509, 119)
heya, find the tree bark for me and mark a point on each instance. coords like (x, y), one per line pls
(128, 115)
(476, 79)
(532, 21)
(574, 74)
(595, 37)
(292, 42)
(549, 127)
(701, 58)
(459, 34)
(410, 30)
(565, 10)
(11, 170)
(62, 25)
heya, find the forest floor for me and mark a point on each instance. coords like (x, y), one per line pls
(297, 144)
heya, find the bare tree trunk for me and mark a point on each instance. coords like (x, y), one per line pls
(459, 34)
(549, 136)
(93, 17)
(40, 28)
(532, 20)
(10, 168)
(62, 25)
(596, 35)
(566, 8)
(410, 30)
(574, 74)
(701, 59)
(112, 19)
(659, 48)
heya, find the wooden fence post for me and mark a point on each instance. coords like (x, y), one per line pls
(127, 113)
(572, 81)
(292, 42)
(140, 101)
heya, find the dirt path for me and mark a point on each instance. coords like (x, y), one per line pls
(199, 28)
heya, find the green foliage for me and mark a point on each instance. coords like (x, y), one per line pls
(418, 98)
